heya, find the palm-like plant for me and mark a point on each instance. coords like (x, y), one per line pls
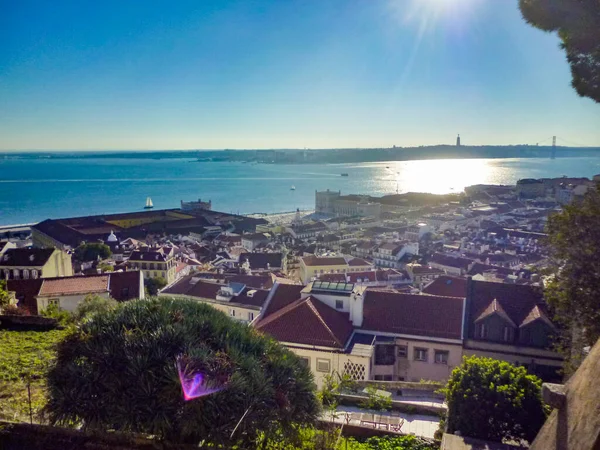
(119, 371)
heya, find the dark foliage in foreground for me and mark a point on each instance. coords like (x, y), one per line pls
(119, 371)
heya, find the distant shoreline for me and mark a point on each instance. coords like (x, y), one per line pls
(321, 156)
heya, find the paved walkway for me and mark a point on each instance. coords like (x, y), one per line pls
(417, 424)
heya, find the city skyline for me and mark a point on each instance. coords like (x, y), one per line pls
(260, 75)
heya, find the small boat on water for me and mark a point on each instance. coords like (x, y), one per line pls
(293, 188)
(387, 167)
(344, 174)
(149, 204)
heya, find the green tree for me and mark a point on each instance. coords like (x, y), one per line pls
(92, 251)
(93, 304)
(578, 25)
(494, 400)
(4, 297)
(119, 370)
(62, 316)
(106, 267)
(153, 285)
(573, 290)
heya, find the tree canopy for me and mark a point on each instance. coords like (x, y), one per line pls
(153, 285)
(578, 25)
(573, 291)
(121, 370)
(494, 400)
(4, 297)
(93, 304)
(92, 251)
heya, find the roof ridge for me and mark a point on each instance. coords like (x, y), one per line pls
(315, 310)
(281, 312)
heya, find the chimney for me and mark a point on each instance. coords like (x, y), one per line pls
(356, 308)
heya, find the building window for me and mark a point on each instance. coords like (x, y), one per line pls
(54, 302)
(339, 304)
(34, 274)
(385, 355)
(420, 354)
(482, 331)
(125, 292)
(323, 365)
(25, 274)
(305, 361)
(402, 351)
(16, 274)
(250, 316)
(164, 274)
(507, 334)
(7, 274)
(232, 312)
(383, 378)
(441, 357)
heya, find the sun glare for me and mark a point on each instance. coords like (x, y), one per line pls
(434, 11)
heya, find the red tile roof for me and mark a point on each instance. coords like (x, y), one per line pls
(451, 261)
(209, 289)
(517, 301)
(194, 288)
(447, 287)
(309, 321)
(282, 295)
(425, 270)
(422, 315)
(358, 262)
(495, 308)
(148, 254)
(74, 285)
(255, 281)
(313, 260)
(536, 314)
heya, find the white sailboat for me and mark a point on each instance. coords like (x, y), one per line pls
(149, 204)
(293, 188)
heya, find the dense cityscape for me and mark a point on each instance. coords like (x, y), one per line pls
(394, 289)
(299, 225)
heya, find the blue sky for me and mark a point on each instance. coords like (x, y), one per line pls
(281, 74)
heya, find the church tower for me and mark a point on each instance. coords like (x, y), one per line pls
(458, 141)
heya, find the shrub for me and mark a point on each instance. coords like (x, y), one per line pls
(93, 304)
(494, 400)
(119, 370)
(376, 401)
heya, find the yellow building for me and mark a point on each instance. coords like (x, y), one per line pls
(154, 262)
(312, 267)
(33, 263)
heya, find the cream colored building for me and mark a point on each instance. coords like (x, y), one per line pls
(368, 334)
(154, 262)
(32, 263)
(311, 267)
(67, 293)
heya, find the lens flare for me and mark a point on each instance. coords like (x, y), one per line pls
(194, 385)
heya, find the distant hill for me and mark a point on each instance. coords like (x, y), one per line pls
(328, 156)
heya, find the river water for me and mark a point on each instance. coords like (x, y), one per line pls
(36, 189)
